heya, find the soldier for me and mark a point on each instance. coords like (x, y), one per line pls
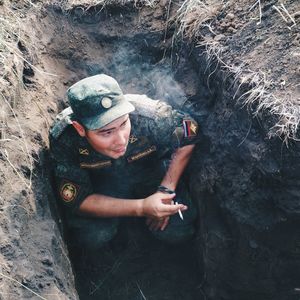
(111, 158)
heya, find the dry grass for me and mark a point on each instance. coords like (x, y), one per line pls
(193, 14)
(21, 284)
(12, 33)
(87, 4)
(194, 18)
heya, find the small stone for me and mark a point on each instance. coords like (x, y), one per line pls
(47, 262)
(231, 29)
(230, 16)
(219, 37)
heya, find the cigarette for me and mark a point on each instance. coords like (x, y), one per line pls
(179, 212)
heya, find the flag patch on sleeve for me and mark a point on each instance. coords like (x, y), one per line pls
(190, 128)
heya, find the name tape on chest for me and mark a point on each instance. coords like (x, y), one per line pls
(96, 165)
(142, 154)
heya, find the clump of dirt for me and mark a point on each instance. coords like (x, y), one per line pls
(244, 182)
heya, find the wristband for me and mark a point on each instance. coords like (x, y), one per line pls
(164, 189)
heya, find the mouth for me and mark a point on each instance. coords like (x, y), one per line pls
(120, 150)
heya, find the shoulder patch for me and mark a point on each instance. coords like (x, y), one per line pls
(190, 128)
(68, 191)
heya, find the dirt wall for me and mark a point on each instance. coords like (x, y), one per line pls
(245, 184)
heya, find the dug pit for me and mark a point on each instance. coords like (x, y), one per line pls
(139, 55)
(244, 184)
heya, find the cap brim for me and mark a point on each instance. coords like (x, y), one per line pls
(112, 114)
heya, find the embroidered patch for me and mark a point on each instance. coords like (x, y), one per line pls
(68, 191)
(96, 165)
(83, 151)
(141, 154)
(190, 128)
(132, 139)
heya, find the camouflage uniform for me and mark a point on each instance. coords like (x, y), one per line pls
(156, 131)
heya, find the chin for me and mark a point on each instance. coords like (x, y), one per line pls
(117, 155)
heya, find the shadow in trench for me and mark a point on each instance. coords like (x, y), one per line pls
(136, 266)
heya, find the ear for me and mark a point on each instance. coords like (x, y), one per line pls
(79, 128)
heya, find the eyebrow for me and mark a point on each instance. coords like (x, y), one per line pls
(112, 128)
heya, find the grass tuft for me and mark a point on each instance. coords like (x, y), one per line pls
(87, 4)
(195, 19)
(193, 14)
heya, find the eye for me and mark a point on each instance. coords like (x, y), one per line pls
(106, 133)
(124, 123)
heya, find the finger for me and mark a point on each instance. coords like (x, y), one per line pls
(164, 224)
(152, 225)
(158, 224)
(148, 221)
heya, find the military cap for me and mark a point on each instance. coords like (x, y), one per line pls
(98, 100)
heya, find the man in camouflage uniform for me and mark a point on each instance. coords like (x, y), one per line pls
(109, 153)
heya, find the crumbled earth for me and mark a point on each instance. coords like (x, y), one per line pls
(244, 181)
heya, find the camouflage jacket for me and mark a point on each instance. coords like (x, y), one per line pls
(156, 131)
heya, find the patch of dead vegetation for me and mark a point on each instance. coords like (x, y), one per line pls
(257, 44)
(88, 4)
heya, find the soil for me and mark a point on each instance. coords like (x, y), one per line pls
(243, 177)
(262, 49)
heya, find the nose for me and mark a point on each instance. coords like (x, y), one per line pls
(120, 138)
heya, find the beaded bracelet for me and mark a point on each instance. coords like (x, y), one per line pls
(164, 189)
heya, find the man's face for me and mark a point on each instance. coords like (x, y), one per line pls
(112, 139)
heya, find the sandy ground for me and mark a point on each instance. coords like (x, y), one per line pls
(244, 182)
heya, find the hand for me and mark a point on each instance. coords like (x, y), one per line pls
(160, 205)
(157, 223)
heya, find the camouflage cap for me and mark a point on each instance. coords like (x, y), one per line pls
(98, 100)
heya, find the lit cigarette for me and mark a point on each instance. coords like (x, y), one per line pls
(179, 212)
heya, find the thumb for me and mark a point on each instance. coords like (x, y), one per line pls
(168, 196)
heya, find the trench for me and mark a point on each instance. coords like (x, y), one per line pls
(239, 180)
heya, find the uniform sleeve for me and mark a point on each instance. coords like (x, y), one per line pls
(172, 128)
(72, 183)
